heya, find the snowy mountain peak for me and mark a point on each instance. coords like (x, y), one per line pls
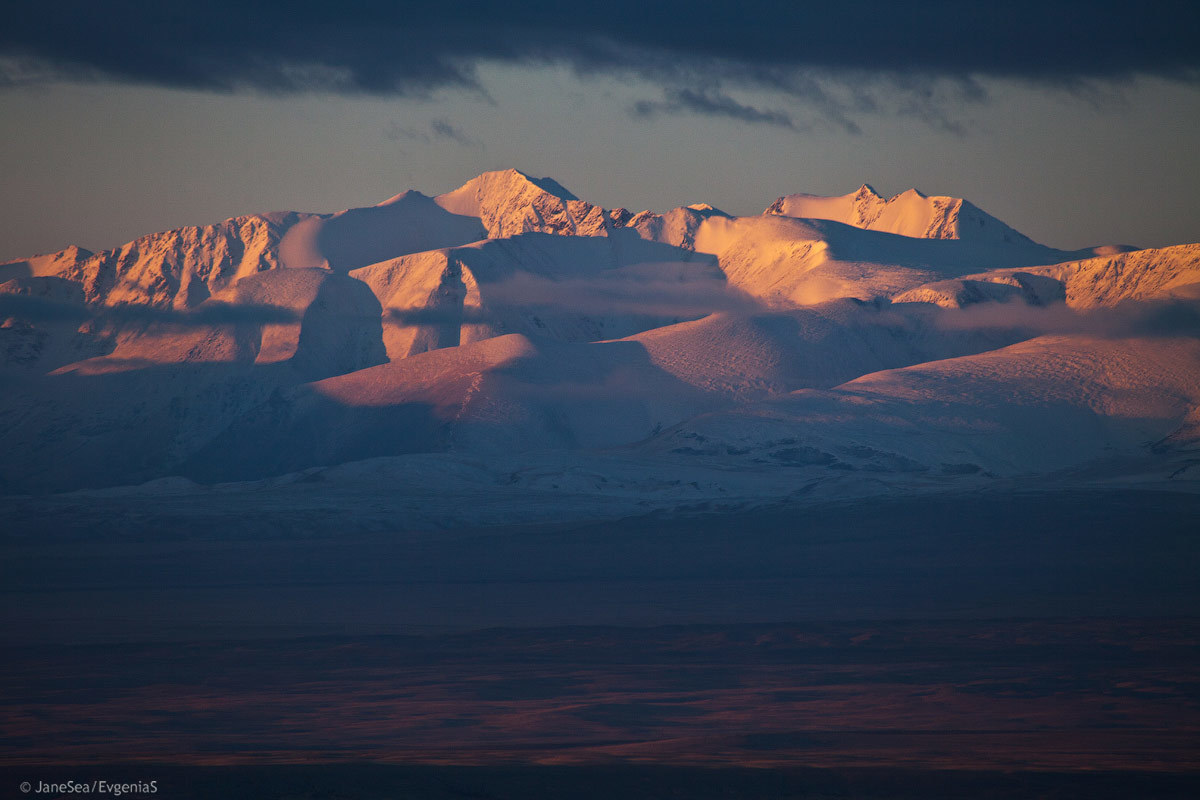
(509, 202)
(408, 195)
(706, 209)
(910, 213)
(507, 182)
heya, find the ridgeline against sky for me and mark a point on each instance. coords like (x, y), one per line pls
(109, 108)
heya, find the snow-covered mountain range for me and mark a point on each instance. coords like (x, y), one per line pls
(508, 337)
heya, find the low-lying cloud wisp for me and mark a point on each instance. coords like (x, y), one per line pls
(1154, 318)
(37, 309)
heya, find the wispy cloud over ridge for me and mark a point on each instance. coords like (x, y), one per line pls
(437, 129)
(713, 104)
(444, 129)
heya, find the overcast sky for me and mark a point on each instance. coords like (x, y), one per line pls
(1075, 123)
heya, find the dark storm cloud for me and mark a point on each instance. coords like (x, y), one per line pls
(413, 48)
(713, 104)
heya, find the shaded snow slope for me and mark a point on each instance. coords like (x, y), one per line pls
(1048, 404)
(167, 388)
(318, 322)
(568, 288)
(92, 426)
(506, 394)
(750, 356)
(407, 223)
(502, 394)
(43, 344)
(511, 393)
